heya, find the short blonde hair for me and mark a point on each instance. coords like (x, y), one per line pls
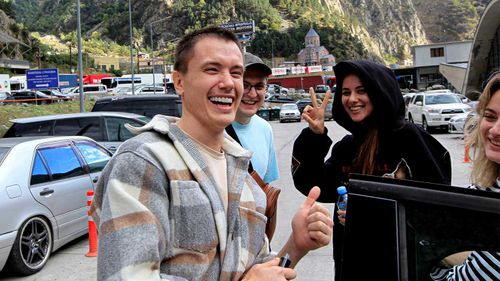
(484, 171)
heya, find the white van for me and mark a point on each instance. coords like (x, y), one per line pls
(18, 83)
(90, 90)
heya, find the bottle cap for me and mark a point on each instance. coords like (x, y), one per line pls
(341, 190)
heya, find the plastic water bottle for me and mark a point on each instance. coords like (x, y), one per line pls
(342, 200)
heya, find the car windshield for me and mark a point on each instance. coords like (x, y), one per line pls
(441, 99)
(289, 107)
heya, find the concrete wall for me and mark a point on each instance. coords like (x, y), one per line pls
(454, 52)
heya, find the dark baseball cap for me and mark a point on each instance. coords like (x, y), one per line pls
(255, 62)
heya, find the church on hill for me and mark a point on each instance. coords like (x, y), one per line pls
(314, 53)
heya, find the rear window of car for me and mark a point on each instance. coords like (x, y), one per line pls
(41, 128)
(146, 107)
(115, 128)
(89, 127)
(62, 162)
(95, 157)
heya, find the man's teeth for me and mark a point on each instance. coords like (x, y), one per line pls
(248, 102)
(225, 100)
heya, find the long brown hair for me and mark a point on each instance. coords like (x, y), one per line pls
(484, 171)
(367, 153)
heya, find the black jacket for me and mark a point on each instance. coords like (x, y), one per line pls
(427, 159)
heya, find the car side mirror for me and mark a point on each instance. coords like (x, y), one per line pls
(419, 103)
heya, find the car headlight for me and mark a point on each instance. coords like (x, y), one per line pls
(432, 110)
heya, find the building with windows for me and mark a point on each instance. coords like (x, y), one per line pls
(314, 53)
(430, 61)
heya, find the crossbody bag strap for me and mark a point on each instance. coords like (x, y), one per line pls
(230, 131)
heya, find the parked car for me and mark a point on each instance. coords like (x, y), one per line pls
(5, 96)
(303, 103)
(435, 110)
(279, 98)
(151, 90)
(277, 89)
(407, 98)
(328, 111)
(289, 112)
(90, 90)
(107, 128)
(456, 123)
(44, 204)
(321, 89)
(463, 98)
(147, 105)
(33, 97)
(56, 94)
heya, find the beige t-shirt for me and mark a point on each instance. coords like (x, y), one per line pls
(216, 162)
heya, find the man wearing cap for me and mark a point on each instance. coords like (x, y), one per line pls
(254, 133)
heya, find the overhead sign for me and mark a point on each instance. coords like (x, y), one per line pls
(240, 27)
(43, 78)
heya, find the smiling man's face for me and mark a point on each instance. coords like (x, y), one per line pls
(254, 84)
(212, 86)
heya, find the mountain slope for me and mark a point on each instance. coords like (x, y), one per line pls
(380, 29)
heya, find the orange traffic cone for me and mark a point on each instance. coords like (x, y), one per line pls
(92, 228)
(466, 154)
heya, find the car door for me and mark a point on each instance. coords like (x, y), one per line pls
(95, 158)
(60, 183)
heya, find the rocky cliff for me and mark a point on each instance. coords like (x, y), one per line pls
(386, 28)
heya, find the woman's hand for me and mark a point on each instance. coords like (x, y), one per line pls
(315, 115)
(341, 216)
(269, 271)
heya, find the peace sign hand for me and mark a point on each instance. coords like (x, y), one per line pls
(315, 115)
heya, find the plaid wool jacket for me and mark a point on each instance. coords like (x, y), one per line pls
(160, 215)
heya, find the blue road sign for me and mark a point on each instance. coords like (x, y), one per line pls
(43, 78)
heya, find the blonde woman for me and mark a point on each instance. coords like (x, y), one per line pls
(485, 143)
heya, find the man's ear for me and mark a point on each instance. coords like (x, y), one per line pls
(178, 82)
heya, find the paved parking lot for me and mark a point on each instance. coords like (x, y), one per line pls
(69, 263)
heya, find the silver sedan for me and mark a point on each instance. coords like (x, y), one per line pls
(43, 202)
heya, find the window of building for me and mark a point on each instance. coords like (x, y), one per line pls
(437, 52)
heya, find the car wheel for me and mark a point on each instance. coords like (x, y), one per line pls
(424, 124)
(32, 247)
(410, 119)
(281, 121)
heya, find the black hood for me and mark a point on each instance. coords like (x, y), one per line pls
(383, 91)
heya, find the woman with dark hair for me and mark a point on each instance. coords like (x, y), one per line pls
(484, 141)
(369, 104)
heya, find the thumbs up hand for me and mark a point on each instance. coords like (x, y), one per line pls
(312, 225)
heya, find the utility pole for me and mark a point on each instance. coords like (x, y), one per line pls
(131, 43)
(80, 70)
(153, 50)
